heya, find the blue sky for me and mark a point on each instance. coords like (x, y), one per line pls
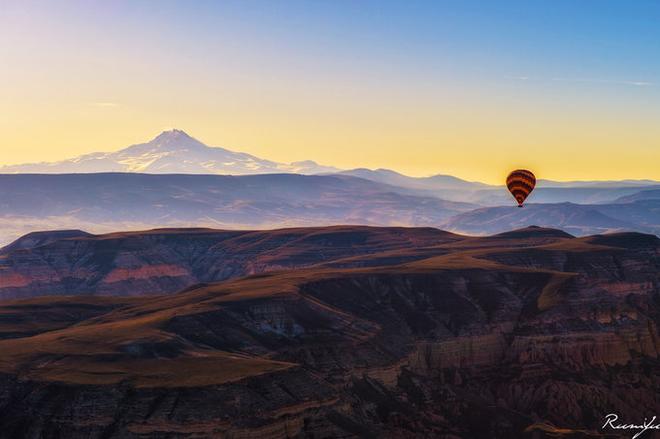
(413, 85)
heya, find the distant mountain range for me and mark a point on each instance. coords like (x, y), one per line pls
(158, 183)
(452, 188)
(578, 219)
(107, 202)
(176, 152)
(171, 152)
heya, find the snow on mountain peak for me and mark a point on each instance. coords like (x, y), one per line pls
(172, 151)
(174, 140)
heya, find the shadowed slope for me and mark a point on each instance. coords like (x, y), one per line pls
(516, 328)
(577, 219)
(167, 260)
(121, 201)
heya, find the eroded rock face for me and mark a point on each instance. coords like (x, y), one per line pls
(168, 260)
(56, 410)
(484, 340)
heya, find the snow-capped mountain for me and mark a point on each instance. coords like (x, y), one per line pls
(171, 152)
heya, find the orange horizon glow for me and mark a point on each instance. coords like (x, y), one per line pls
(387, 88)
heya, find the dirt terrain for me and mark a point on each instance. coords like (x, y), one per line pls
(329, 332)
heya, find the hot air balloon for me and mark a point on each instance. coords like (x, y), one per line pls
(521, 183)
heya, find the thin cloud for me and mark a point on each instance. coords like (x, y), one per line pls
(105, 104)
(519, 78)
(606, 81)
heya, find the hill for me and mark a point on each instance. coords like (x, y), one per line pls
(463, 337)
(105, 202)
(577, 219)
(647, 194)
(167, 260)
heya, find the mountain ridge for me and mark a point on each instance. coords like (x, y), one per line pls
(172, 151)
(103, 202)
(395, 333)
(166, 260)
(577, 219)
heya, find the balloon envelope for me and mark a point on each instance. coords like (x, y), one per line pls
(521, 183)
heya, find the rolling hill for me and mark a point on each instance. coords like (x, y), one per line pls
(105, 202)
(175, 180)
(395, 333)
(168, 260)
(646, 194)
(578, 219)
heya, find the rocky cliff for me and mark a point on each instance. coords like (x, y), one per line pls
(532, 334)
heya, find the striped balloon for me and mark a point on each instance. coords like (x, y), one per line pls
(521, 183)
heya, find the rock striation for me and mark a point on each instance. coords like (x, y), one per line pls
(531, 335)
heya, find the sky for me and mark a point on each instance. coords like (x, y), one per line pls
(567, 88)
